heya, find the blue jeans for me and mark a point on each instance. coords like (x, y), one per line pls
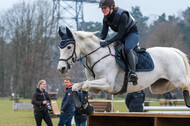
(65, 119)
(81, 124)
(130, 41)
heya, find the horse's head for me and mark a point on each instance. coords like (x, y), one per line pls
(68, 51)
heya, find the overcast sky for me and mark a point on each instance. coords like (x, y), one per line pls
(150, 8)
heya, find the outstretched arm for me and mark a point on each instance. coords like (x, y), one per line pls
(104, 31)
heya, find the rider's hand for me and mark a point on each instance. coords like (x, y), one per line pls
(103, 44)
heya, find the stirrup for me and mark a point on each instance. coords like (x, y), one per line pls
(133, 78)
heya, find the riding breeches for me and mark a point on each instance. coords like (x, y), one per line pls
(131, 40)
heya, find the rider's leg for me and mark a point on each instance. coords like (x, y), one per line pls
(131, 58)
(131, 41)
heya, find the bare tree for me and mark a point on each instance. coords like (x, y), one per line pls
(2, 70)
(31, 30)
(165, 34)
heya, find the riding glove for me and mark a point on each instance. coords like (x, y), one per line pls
(103, 44)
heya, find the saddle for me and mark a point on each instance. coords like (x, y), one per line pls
(144, 62)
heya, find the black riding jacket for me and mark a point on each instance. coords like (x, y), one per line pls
(135, 101)
(119, 21)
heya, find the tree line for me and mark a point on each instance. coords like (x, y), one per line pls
(29, 40)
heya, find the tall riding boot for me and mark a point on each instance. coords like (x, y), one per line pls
(132, 61)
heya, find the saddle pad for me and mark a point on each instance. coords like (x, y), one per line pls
(145, 62)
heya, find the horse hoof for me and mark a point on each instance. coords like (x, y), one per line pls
(89, 110)
(186, 98)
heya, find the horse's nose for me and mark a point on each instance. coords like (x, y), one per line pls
(62, 69)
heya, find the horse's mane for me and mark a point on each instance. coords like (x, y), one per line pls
(83, 35)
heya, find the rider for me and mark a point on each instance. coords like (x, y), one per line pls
(120, 21)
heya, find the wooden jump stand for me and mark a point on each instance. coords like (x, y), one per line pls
(139, 119)
(101, 117)
(101, 105)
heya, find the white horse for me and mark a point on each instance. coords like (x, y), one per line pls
(171, 67)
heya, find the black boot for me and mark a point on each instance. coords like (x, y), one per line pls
(132, 61)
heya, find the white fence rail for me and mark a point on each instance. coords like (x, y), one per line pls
(166, 108)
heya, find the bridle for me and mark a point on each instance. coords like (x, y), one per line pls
(74, 56)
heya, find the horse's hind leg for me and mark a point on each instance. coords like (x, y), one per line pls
(186, 93)
(186, 97)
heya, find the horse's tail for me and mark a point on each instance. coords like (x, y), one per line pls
(185, 60)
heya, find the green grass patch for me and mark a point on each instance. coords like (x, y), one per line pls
(120, 107)
(9, 117)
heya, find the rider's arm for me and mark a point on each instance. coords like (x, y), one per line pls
(104, 30)
(121, 29)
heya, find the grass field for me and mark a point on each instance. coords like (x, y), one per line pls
(8, 117)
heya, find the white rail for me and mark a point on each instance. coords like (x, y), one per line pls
(166, 108)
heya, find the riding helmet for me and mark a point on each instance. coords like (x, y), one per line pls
(106, 3)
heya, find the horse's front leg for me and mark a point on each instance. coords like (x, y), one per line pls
(82, 104)
(76, 87)
(95, 86)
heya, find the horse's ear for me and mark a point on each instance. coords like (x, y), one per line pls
(69, 33)
(60, 32)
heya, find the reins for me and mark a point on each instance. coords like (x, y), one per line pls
(74, 59)
(91, 68)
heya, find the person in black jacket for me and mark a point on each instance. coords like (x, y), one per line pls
(134, 101)
(121, 22)
(67, 105)
(168, 96)
(40, 101)
(80, 118)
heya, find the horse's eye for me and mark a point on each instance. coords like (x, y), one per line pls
(69, 47)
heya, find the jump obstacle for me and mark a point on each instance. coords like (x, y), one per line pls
(139, 119)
